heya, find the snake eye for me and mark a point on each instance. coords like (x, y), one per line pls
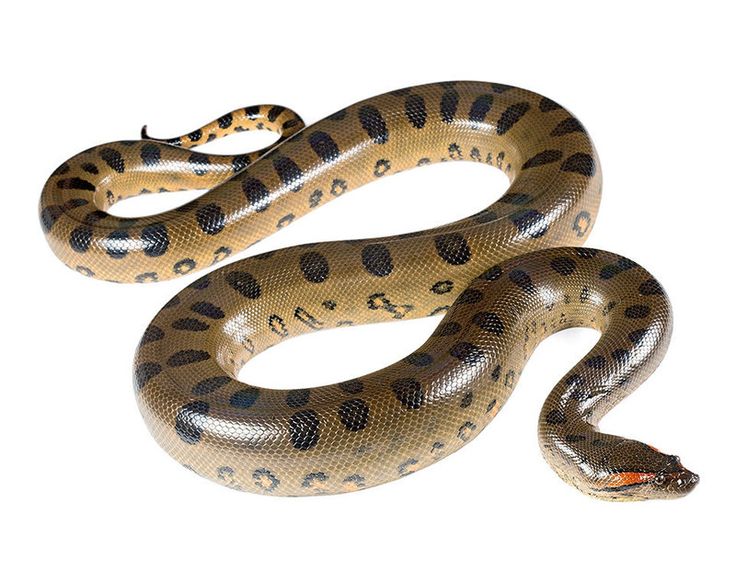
(659, 479)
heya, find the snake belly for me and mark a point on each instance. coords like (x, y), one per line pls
(499, 298)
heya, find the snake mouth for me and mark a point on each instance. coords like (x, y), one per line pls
(667, 484)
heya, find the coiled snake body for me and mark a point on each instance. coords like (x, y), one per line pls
(503, 278)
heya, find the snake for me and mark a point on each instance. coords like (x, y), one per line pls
(503, 280)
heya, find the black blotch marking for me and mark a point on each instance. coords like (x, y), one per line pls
(274, 112)
(467, 353)
(225, 121)
(377, 260)
(61, 170)
(184, 266)
(315, 267)
(96, 216)
(522, 279)
(338, 187)
(113, 159)
(144, 372)
(580, 163)
(480, 108)
(489, 322)
(466, 430)
(173, 302)
(542, 158)
(185, 357)
(354, 414)
(491, 274)
(290, 174)
(569, 125)
(467, 400)
(277, 325)
(324, 146)
(448, 328)
(555, 417)
(455, 152)
(264, 479)
(298, 398)
(75, 184)
(329, 304)
(149, 277)
(189, 421)
(209, 385)
(256, 193)
(80, 239)
(516, 198)
(116, 244)
(195, 135)
(442, 287)
(409, 392)
(546, 104)
(574, 438)
(312, 478)
(240, 162)
(211, 219)
(244, 283)
(338, 115)
(419, 359)
(620, 355)
(637, 311)
(244, 398)
(153, 333)
(448, 105)
(452, 248)
(381, 167)
(565, 266)
(416, 111)
(373, 123)
(585, 253)
(651, 287)
(150, 154)
(199, 162)
(155, 240)
(208, 310)
(530, 222)
(491, 406)
(304, 429)
(596, 362)
(485, 216)
(469, 297)
(221, 254)
(496, 374)
(190, 324)
(511, 116)
(352, 386)
(253, 111)
(314, 198)
(90, 168)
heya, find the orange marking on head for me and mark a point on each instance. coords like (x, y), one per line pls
(629, 478)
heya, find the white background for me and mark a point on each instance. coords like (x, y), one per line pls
(88, 495)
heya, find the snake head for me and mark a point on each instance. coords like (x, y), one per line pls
(631, 470)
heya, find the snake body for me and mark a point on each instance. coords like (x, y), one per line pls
(503, 278)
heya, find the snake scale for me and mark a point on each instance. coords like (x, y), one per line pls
(505, 279)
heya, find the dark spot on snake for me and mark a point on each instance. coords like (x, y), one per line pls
(409, 392)
(95, 216)
(467, 353)
(312, 478)
(148, 277)
(480, 108)
(195, 135)
(61, 170)
(80, 239)
(377, 260)
(314, 198)
(264, 479)
(491, 274)
(555, 417)
(155, 240)
(338, 115)
(452, 248)
(522, 279)
(244, 398)
(467, 400)
(620, 355)
(152, 334)
(256, 193)
(445, 329)
(516, 198)
(569, 125)
(314, 267)
(585, 253)
(225, 121)
(208, 310)
(637, 311)
(189, 421)
(199, 163)
(448, 105)
(469, 297)
(277, 325)
(580, 163)
(574, 438)
(290, 174)
(442, 287)
(150, 154)
(184, 266)
(419, 359)
(252, 111)
(244, 283)
(511, 116)
(209, 385)
(75, 184)
(113, 159)
(485, 216)
(144, 372)
(298, 398)
(489, 322)
(596, 362)
(84, 271)
(221, 254)
(496, 374)
(415, 110)
(546, 104)
(381, 167)
(274, 112)
(190, 324)
(651, 287)
(185, 357)
(354, 414)
(466, 430)
(542, 158)
(324, 146)
(240, 162)
(491, 406)
(352, 386)
(530, 222)
(338, 187)
(304, 429)
(117, 244)
(373, 123)
(173, 302)
(211, 219)
(565, 266)
(90, 168)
